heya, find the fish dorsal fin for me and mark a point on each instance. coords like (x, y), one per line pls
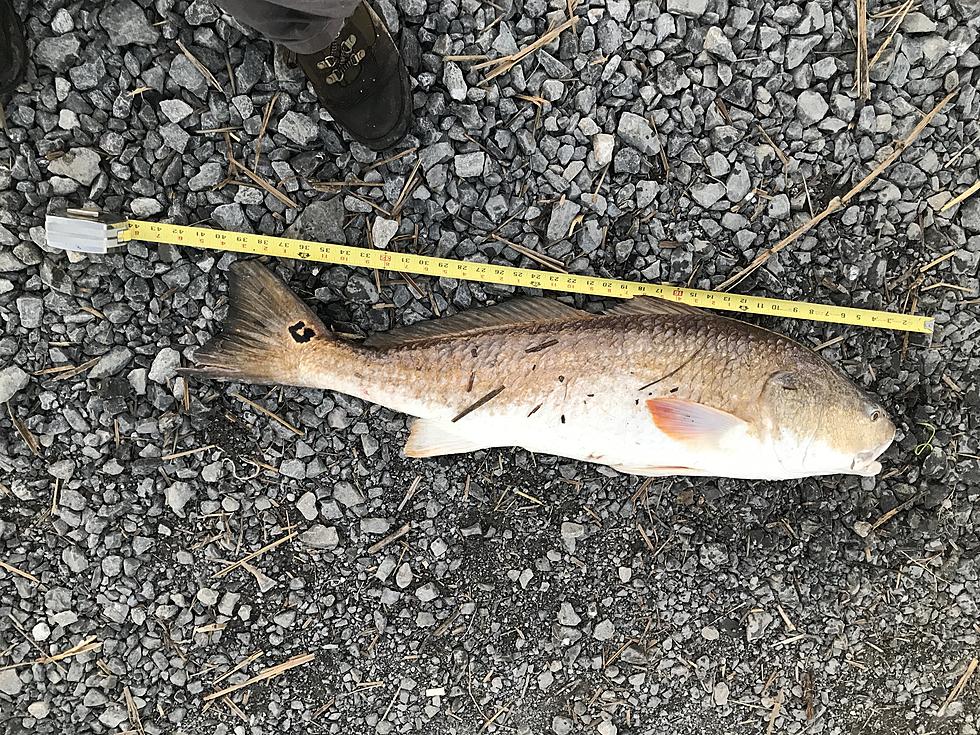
(510, 313)
(653, 305)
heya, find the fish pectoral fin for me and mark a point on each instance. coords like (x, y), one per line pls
(658, 471)
(687, 421)
(434, 438)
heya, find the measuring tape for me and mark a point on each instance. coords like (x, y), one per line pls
(86, 231)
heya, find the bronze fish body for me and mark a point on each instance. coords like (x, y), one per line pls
(649, 387)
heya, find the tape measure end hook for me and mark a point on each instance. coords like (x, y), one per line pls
(82, 230)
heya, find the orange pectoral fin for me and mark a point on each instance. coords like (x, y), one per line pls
(686, 421)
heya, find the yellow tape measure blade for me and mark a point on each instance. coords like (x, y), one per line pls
(336, 254)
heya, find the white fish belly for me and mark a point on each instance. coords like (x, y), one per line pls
(607, 425)
(615, 432)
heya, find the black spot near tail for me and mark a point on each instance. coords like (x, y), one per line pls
(301, 333)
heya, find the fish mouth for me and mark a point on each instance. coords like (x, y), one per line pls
(866, 463)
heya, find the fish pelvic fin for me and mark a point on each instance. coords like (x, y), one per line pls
(269, 335)
(435, 438)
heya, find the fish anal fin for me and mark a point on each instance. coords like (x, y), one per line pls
(687, 421)
(434, 438)
(658, 471)
(508, 314)
(653, 305)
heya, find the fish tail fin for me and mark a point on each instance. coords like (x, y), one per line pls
(269, 335)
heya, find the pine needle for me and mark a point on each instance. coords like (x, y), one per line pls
(266, 412)
(390, 539)
(262, 130)
(973, 189)
(898, 18)
(205, 72)
(29, 439)
(258, 180)
(187, 452)
(133, 711)
(540, 258)
(861, 68)
(479, 403)
(86, 646)
(960, 685)
(239, 666)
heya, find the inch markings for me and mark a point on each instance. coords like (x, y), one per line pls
(424, 265)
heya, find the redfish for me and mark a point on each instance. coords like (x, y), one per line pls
(648, 387)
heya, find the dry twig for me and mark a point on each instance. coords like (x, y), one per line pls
(248, 557)
(888, 515)
(505, 63)
(861, 63)
(263, 675)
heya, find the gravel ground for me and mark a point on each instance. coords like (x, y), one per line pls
(529, 594)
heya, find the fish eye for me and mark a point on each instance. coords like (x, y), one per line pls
(875, 415)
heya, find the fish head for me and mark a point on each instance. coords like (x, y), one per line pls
(820, 423)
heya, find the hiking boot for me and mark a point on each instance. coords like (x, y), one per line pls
(13, 50)
(362, 81)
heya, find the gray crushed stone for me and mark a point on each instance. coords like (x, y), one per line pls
(665, 142)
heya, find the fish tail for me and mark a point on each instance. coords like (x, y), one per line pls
(269, 335)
